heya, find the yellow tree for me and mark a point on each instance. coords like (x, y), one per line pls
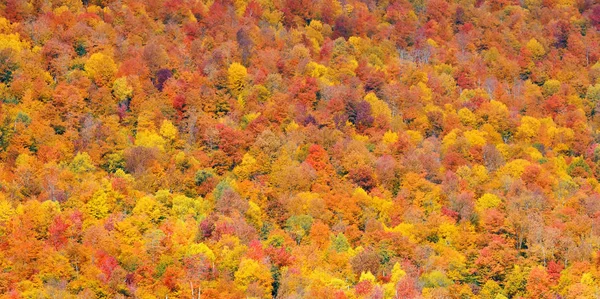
(236, 78)
(251, 272)
(100, 68)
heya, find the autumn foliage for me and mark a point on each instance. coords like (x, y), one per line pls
(299, 149)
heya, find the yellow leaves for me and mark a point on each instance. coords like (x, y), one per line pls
(168, 130)
(5, 26)
(292, 126)
(550, 87)
(361, 138)
(299, 51)
(595, 72)
(467, 94)
(534, 153)
(367, 276)
(24, 160)
(514, 168)
(487, 201)
(273, 17)
(251, 271)
(248, 118)
(348, 8)
(426, 92)
(247, 168)
(6, 210)
(397, 273)
(499, 107)
(263, 94)
(492, 136)
(435, 279)
(321, 277)
(254, 215)
(240, 7)
(390, 137)
(406, 230)
(450, 139)
(475, 137)
(415, 136)
(316, 70)
(236, 77)
(432, 43)
(588, 279)
(184, 206)
(378, 107)
(345, 66)
(476, 175)
(183, 234)
(382, 206)
(444, 68)
(100, 68)
(528, 129)
(448, 232)
(122, 89)
(40, 213)
(148, 207)
(150, 139)
(99, 205)
(358, 43)
(467, 118)
(12, 41)
(313, 31)
(544, 131)
(59, 10)
(82, 163)
(535, 48)
(593, 92)
(448, 83)
(200, 248)
(491, 55)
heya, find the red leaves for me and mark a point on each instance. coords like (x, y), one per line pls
(179, 103)
(595, 16)
(255, 250)
(106, 263)
(57, 232)
(253, 10)
(554, 270)
(279, 256)
(450, 213)
(363, 288)
(363, 177)
(407, 288)
(304, 90)
(373, 79)
(555, 105)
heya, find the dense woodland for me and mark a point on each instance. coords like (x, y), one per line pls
(299, 149)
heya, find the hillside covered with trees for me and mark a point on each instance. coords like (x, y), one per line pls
(299, 149)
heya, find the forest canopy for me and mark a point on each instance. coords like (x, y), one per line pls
(299, 149)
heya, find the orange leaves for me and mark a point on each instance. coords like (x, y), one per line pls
(343, 149)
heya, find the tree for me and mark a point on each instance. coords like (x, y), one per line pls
(535, 48)
(100, 68)
(538, 283)
(236, 78)
(252, 274)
